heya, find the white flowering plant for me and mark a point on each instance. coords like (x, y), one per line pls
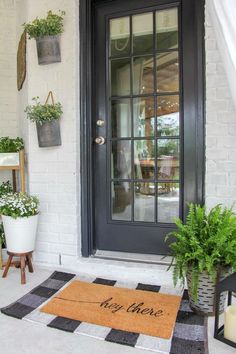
(18, 205)
(5, 188)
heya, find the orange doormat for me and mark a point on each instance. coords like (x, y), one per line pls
(119, 308)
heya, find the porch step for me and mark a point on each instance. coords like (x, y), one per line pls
(134, 257)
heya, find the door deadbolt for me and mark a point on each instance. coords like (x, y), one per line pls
(100, 123)
(100, 140)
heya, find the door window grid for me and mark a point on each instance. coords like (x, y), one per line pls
(155, 183)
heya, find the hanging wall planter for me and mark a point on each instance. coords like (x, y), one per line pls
(49, 134)
(47, 35)
(48, 49)
(46, 116)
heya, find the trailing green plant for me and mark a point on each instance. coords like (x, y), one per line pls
(5, 188)
(41, 113)
(49, 26)
(2, 235)
(205, 242)
(18, 205)
(11, 145)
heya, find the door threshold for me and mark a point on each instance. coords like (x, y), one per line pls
(133, 257)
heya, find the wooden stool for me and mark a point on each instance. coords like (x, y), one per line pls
(25, 259)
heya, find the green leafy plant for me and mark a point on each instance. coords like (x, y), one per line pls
(49, 26)
(41, 113)
(5, 188)
(11, 145)
(18, 205)
(206, 242)
(2, 235)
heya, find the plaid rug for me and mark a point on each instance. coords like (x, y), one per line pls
(189, 336)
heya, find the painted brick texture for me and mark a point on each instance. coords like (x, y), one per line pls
(220, 127)
(52, 172)
(8, 89)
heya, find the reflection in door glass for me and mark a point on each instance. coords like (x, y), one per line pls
(144, 121)
(144, 117)
(143, 78)
(120, 77)
(168, 115)
(144, 159)
(121, 200)
(121, 118)
(121, 159)
(168, 159)
(167, 29)
(144, 202)
(143, 33)
(119, 36)
(168, 72)
(168, 202)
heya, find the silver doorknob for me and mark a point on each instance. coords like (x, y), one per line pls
(100, 123)
(100, 140)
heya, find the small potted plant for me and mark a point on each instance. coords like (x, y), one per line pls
(46, 32)
(9, 151)
(203, 251)
(46, 116)
(20, 218)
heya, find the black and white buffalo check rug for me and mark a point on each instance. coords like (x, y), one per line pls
(189, 335)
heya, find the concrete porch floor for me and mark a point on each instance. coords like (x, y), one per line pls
(23, 337)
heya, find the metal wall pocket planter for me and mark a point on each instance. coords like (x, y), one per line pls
(48, 49)
(49, 134)
(49, 131)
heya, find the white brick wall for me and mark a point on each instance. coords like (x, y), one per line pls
(220, 127)
(52, 172)
(8, 89)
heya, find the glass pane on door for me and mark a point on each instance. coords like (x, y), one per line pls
(145, 117)
(119, 36)
(167, 29)
(143, 33)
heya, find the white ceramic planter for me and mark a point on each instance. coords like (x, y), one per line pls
(20, 233)
(9, 159)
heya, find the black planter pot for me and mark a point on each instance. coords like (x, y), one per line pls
(49, 134)
(48, 49)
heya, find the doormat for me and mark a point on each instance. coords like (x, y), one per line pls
(189, 335)
(120, 308)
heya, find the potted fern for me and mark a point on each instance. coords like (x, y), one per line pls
(9, 151)
(204, 252)
(46, 32)
(46, 116)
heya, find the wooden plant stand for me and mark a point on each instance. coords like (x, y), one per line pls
(20, 168)
(25, 259)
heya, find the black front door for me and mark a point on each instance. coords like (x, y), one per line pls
(146, 120)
